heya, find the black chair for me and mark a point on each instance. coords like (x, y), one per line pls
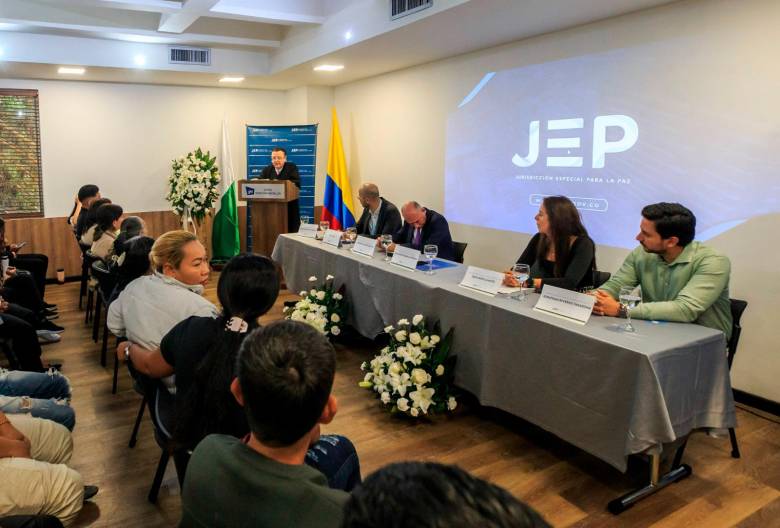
(89, 259)
(737, 309)
(460, 249)
(106, 280)
(85, 264)
(600, 277)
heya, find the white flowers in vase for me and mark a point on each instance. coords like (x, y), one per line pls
(322, 307)
(193, 185)
(414, 373)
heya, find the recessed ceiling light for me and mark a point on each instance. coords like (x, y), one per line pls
(231, 79)
(71, 71)
(139, 60)
(348, 35)
(329, 67)
(1, 52)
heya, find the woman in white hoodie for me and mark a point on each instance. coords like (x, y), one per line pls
(153, 304)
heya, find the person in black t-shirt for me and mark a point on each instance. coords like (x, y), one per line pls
(203, 351)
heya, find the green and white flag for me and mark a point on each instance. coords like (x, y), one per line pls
(225, 242)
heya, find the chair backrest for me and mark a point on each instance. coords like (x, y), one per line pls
(600, 277)
(105, 277)
(460, 249)
(737, 309)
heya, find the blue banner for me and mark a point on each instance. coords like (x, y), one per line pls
(300, 142)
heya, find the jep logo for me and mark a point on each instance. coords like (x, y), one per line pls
(601, 146)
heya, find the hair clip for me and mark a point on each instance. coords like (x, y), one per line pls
(236, 324)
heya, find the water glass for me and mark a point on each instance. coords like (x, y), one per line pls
(630, 297)
(324, 226)
(350, 235)
(521, 272)
(304, 219)
(386, 241)
(430, 251)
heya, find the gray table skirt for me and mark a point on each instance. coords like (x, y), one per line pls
(607, 392)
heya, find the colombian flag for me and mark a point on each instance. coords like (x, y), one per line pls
(337, 206)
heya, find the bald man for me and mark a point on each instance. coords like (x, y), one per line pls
(424, 226)
(380, 217)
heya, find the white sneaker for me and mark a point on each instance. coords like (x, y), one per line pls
(45, 336)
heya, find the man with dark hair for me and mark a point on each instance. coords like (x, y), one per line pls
(380, 216)
(285, 474)
(682, 280)
(429, 495)
(281, 169)
(424, 226)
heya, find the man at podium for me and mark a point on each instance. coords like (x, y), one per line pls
(281, 169)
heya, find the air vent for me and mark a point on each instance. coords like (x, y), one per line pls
(187, 55)
(401, 8)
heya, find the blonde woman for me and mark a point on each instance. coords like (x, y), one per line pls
(153, 304)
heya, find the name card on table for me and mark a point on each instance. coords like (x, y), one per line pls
(565, 304)
(332, 237)
(483, 280)
(405, 257)
(364, 246)
(308, 230)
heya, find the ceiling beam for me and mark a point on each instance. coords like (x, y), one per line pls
(190, 11)
(149, 6)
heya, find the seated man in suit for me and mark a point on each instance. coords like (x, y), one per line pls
(281, 169)
(380, 217)
(682, 280)
(424, 226)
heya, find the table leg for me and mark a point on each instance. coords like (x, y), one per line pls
(678, 472)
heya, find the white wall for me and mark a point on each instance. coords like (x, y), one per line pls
(123, 137)
(394, 125)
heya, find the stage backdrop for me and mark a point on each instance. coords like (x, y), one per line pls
(300, 142)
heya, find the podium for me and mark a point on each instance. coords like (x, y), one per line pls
(267, 200)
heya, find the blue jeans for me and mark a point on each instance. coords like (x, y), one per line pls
(40, 394)
(335, 457)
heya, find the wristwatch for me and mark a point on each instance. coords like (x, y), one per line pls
(127, 351)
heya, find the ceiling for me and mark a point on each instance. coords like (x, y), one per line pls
(273, 44)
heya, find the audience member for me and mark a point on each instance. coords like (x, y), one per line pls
(561, 254)
(682, 280)
(106, 230)
(86, 195)
(35, 264)
(131, 227)
(424, 226)
(285, 473)
(132, 263)
(36, 481)
(380, 216)
(430, 495)
(90, 222)
(39, 394)
(30, 521)
(25, 349)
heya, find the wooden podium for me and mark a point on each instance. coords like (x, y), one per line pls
(267, 200)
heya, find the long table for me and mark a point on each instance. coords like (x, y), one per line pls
(608, 392)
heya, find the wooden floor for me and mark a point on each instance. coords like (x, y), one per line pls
(569, 487)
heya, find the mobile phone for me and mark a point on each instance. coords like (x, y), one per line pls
(20, 245)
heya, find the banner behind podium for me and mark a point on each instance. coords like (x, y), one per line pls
(300, 142)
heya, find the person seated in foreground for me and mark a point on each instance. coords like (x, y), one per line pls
(39, 394)
(106, 230)
(30, 521)
(424, 226)
(30, 278)
(285, 474)
(86, 196)
(131, 227)
(202, 351)
(430, 495)
(380, 216)
(36, 481)
(682, 280)
(16, 327)
(561, 254)
(90, 222)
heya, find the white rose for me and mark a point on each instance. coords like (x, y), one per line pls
(388, 329)
(403, 322)
(419, 376)
(320, 295)
(425, 343)
(363, 366)
(312, 292)
(417, 319)
(403, 404)
(312, 279)
(400, 335)
(414, 338)
(385, 398)
(440, 370)
(303, 293)
(338, 296)
(414, 412)
(335, 330)
(435, 339)
(368, 377)
(335, 318)
(451, 403)
(329, 277)
(395, 368)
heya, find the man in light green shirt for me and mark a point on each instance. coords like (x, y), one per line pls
(682, 280)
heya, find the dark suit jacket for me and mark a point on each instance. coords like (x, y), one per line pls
(389, 220)
(435, 231)
(289, 172)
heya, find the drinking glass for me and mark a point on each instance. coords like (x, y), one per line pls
(304, 219)
(521, 272)
(629, 297)
(324, 226)
(430, 251)
(386, 241)
(350, 235)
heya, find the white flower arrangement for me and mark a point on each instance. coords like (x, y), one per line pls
(193, 185)
(414, 373)
(323, 308)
